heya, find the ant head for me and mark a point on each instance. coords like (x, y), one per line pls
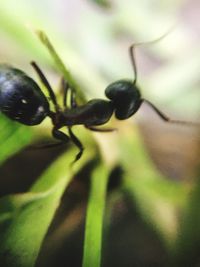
(125, 96)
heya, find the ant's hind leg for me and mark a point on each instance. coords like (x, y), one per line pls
(77, 142)
(44, 146)
(46, 84)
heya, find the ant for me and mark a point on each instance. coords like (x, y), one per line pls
(22, 100)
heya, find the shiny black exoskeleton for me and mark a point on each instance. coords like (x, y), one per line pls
(20, 97)
(22, 100)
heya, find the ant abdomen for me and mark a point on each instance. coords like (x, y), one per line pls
(20, 97)
(126, 98)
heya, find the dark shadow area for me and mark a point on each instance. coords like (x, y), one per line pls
(129, 241)
(20, 171)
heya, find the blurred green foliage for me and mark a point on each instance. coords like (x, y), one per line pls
(92, 42)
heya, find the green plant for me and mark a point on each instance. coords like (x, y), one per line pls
(167, 208)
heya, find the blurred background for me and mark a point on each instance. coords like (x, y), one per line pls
(92, 38)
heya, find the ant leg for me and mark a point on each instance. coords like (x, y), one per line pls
(46, 84)
(77, 142)
(44, 146)
(65, 139)
(105, 130)
(60, 135)
(65, 88)
(167, 119)
(73, 99)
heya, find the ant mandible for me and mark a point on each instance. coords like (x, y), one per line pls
(22, 100)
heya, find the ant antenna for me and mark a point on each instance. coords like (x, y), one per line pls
(157, 111)
(169, 120)
(132, 51)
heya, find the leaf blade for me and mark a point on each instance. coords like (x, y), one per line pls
(25, 218)
(94, 217)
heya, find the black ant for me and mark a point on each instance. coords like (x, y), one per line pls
(22, 100)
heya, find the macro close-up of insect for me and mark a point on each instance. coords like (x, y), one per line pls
(99, 130)
(22, 100)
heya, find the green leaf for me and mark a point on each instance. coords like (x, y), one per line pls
(13, 136)
(102, 3)
(158, 198)
(25, 218)
(14, 27)
(94, 217)
(59, 63)
(188, 238)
